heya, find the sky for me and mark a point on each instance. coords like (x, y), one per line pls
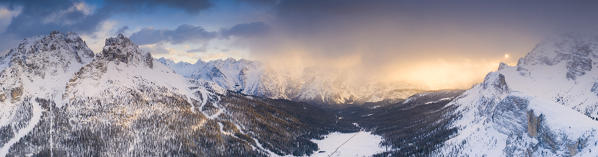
(430, 44)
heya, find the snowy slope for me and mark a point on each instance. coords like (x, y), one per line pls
(544, 106)
(39, 67)
(253, 78)
(119, 103)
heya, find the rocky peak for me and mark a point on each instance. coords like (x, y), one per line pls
(495, 80)
(502, 65)
(50, 54)
(55, 43)
(165, 61)
(576, 53)
(121, 49)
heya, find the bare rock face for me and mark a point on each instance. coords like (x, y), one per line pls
(496, 81)
(579, 62)
(121, 49)
(149, 60)
(16, 93)
(533, 122)
(594, 88)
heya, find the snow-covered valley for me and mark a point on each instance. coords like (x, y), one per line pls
(355, 144)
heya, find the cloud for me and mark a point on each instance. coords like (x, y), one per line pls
(246, 30)
(183, 33)
(41, 17)
(190, 6)
(190, 33)
(155, 48)
(70, 15)
(6, 15)
(389, 37)
(198, 50)
(122, 30)
(96, 40)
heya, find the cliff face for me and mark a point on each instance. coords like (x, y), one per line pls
(533, 123)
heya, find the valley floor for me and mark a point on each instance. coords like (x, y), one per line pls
(349, 144)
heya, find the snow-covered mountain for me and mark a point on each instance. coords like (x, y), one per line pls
(546, 105)
(254, 78)
(59, 99)
(36, 70)
(235, 75)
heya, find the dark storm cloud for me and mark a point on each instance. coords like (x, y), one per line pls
(190, 33)
(387, 38)
(261, 2)
(314, 15)
(337, 27)
(246, 30)
(40, 17)
(190, 6)
(44, 16)
(182, 33)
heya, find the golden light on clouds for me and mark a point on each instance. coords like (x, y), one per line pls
(422, 73)
(439, 74)
(445, 73)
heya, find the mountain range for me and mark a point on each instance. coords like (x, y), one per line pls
(254, 78)
(58, 97)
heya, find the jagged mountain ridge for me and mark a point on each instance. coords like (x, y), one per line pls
(254, 78)
(120, 102)
(543, 106)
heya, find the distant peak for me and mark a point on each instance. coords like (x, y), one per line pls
(166, 61)
(122, 50)
(557, 48)
(576, 52)
(54, 32)
(502, 65)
